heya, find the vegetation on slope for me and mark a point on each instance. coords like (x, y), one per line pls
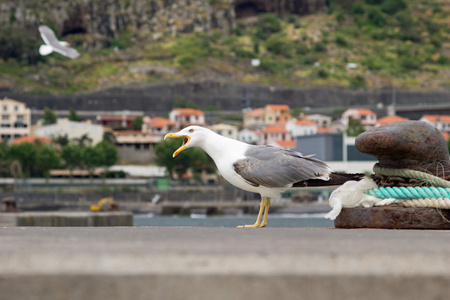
(393, 42)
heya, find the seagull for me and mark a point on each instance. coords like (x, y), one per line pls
(53, 44)
(266, 170)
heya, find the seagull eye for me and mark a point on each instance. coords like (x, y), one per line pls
(191, 130)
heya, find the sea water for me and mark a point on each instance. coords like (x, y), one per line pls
(274, 220)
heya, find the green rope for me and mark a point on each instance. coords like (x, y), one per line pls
(425, 177)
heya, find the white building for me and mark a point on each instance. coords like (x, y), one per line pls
(72, 129)
(301, 127)
(15, 119)
(322, 121)
(248, 136)
(225, 130)
(367, 117)
(157, 125)
(441, 122)
(183, 117)
(274, 134)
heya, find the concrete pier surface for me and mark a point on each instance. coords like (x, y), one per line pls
(222, 263)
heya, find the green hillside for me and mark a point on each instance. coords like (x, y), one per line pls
(406, 43)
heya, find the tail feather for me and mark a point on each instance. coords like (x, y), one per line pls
(335, 179)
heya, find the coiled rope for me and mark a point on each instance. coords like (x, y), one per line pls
(436, 196)
(425, 177)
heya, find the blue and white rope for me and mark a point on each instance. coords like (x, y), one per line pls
(409, 192)
(436, 196)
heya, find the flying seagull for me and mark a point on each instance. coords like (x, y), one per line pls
(53, 44)
(266, 170)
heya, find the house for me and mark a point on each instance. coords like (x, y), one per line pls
(73, 130)
(15, 119)
(273, 134)
(441, 122)
(367, 117)
(183, 117)
(225, 130)
(248, 136)
(322, 121)
(117, 122)
(157, 125)
(389, 120)
(268, 115)
(136, 145)
(301, 127)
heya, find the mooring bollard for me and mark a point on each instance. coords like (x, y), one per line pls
(410, 182)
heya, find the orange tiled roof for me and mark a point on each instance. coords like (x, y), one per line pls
(286, 144)
(364, 111)
(277, 106)
(302, 122)
(437, 118)
(273, 128)
(390, 119)
(255, 112)
(446, 135)
(31, 139)
(159, 122)
(189, 111)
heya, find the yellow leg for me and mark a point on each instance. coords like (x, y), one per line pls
(262, 206)
(266, 212)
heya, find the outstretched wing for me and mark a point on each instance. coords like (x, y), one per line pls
(48, 36)
(50, 39)
(279, 168)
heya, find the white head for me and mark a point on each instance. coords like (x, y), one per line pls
(193, 136)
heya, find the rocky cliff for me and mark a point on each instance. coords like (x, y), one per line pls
(105, 20)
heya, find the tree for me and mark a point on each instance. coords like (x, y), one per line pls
(267, 25)
(109, 137)
(72, 157)
(25, 153)
(179, 103)
(19, 44)
(61, 140)
(164, 152)
(83, 140)
(194, 159)
(73, 116)
(355, 127)
(49, 117)
(46, 159)
(108, 153)
(137, 123)
(4, 163)
(91, 159)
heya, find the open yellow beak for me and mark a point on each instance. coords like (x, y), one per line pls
(185, 138)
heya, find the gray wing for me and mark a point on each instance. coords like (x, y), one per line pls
(278, 168)
(50, 38)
